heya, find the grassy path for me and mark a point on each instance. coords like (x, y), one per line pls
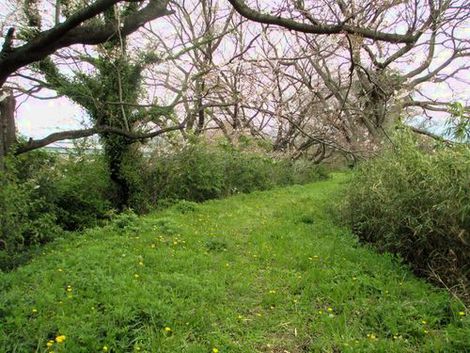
(265, 272)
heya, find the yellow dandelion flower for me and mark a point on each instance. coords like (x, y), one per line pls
(60, 339)
(215, 350)
(136, 275)
(461, 313)
(50, 343)
(105, 348)
(34, 311)
(141, 263)
(167, 329)
(423, 322)
(330, 309)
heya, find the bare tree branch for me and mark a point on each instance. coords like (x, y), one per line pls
(76, 134)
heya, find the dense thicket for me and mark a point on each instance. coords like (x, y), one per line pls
(199, 173)
(43, 195)
(415, 201)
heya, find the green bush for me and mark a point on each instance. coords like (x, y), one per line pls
(416, 203)
(194, 173)
(42, 195)
(200, 172)
(247, 171)
(26, 218)
(81, 192)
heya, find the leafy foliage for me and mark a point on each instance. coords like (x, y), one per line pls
(458, 125)
(199, 172)
(417, 204)
(26, 217)
(41, 195)
(82, 193)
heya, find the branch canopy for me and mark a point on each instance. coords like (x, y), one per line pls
(75, 31)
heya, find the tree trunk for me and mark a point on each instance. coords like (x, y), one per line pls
(7, 124)
(116, 148)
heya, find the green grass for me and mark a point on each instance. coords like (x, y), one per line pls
(265, 272)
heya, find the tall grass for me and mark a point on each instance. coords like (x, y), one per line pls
(415, 202)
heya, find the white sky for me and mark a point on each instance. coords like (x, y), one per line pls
(37, 118)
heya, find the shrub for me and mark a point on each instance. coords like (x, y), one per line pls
(416, 203)
(81, 192)
(195, 173)
(125, 222)
(26, 217)
(43, 194)
(247, 171)
(200, 172)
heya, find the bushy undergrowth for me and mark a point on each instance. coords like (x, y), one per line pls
(41, 195)
(25, 220)
(416, 203)
(200, 172)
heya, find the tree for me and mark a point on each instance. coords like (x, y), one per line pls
(348, 71)
(90, 25)
(378, 64)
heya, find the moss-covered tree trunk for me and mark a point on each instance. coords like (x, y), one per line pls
(116, 148)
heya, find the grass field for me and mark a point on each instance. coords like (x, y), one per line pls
(265, 272)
